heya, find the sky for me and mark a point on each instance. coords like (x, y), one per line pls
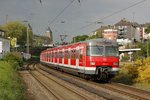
(73, 17)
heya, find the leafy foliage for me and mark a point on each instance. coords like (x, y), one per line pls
(139, 72)
(79, 38)
(15, 59)
(127, 74)
(93, 36)
(17, 29)
(11, 87)
(144, 71)
(147, 30)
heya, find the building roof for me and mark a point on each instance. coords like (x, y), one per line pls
(123, 22)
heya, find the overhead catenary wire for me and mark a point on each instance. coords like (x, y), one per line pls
(114, 13)
(61, 12)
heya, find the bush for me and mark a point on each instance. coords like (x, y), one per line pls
(144, 71)
(15, 59)
(127, 74)
(137, 72)
(11, 87)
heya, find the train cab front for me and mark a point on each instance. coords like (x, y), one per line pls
(104, 58)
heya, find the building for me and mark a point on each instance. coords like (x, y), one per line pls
(49, 34)
(111, 34)
(100, 30)
(2, 32)
(127, 29)
(41, 41)
(4, 44)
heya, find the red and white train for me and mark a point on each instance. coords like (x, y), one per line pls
(97, 58)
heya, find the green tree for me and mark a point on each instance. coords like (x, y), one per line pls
(80, 38)
(147, 30)
(94, 36)
(39, 41)
(17, 29)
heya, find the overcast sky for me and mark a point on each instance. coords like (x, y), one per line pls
(73, 20)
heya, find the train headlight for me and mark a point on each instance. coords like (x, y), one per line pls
(116, 64)
(92, 63)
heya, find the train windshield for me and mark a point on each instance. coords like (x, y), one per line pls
(95, 50)
(102, 51)
(111, 51)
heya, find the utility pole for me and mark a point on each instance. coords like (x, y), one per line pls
(27, 49)
(27, 41)
(62, 38)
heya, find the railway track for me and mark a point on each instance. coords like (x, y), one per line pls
(111, 91)
(57, 87)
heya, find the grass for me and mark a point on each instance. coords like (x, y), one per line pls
(11, 87)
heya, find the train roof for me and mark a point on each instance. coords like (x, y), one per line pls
(100, 40)
(88, 41)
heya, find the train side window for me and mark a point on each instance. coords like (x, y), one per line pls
(81, 53)
(58, 54)
(55, 54)
(61, 55)
(73, 54)
(77, 54)
(68, 54)
(50, 55)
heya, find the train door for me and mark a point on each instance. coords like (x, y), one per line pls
(47, 56)
(66, 57)
(58, 56)
(82, 58)
(50, 56)
(63, 56)
(77, 57)
(69, 55)
(53, 56)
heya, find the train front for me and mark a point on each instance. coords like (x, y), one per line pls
(104, 57)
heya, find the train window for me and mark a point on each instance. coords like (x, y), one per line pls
(95, 50)
(55, 54)
(60, 55)
(73, 54)
(68, 54)
(81, 53)
(52, 54)
(77, 54)
(111, 51)
(49, 55)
